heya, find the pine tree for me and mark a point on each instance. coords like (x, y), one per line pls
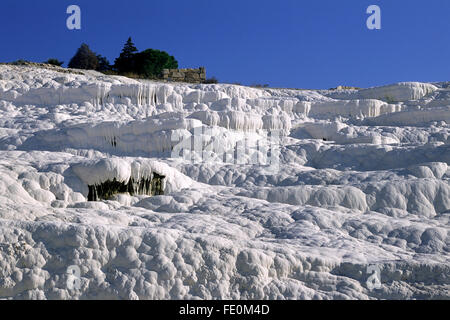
(85, 58)
(103, 63)
(125, 62)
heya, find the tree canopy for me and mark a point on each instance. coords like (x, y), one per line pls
(85, 58)
(125, 62)
(150, 62)
(103, 63)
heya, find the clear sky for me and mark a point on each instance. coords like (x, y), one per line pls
(283, 43)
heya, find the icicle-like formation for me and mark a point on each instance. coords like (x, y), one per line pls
(144, 186)
(118, 175)
(139, 94)
(345, 108)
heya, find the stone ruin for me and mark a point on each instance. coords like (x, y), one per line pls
(185, 75)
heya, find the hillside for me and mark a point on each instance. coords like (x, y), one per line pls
(221, 191)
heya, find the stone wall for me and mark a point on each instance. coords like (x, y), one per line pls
(185, 75)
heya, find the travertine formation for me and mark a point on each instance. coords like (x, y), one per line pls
(254, 193)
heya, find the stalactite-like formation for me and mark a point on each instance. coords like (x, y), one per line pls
(144, 186)
(157, 185)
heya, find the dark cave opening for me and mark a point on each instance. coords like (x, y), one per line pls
(144, 186)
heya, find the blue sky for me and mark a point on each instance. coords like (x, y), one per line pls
(284, 43)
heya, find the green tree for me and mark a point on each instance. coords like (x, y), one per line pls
(85, 58)
(54, 62)
(103, 63)
(126, 61)
(150, 62)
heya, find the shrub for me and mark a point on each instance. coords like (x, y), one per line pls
(20, 62)
(389, 99)
(110, 72)
(54, 62)
(259, 85)
(211, 80)
(132, 75)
